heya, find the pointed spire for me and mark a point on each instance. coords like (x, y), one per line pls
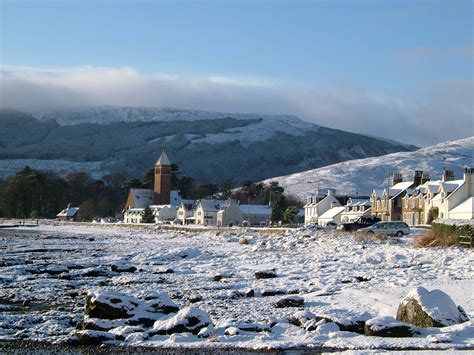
(163, 159)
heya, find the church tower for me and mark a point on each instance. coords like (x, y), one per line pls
(162, 180)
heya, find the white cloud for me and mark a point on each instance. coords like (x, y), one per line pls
(443, 112)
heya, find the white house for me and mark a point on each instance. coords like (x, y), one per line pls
(206, 211)
(332, 215)
(229, 214)
(459, 203)
(256, 215)
(68, 214)
(185, 212)
(314, 208)
(354, 209)
(141, 198)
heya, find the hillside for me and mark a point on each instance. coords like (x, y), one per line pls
(362, 175)
(209, 146)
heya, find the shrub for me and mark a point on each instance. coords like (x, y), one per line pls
(434, 238)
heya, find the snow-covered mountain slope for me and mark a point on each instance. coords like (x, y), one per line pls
(265, 128)
(361, 176)
(209, 146)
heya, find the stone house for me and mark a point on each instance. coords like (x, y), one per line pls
(229, 214)
(206, 211)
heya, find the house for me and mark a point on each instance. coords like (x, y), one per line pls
(185, 212)
(229, 214)
(315, 207)
(414, 201)
(69, 214)
(458, 204)
(206, 211)
(256, 215)
(133, 215)
(387, 203)
(332, 215)
(354, 209)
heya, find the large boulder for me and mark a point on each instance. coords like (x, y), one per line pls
(110, 305)
(388, 327)
(187, 320)
(425, 309)
(291, 301)
(265, 274)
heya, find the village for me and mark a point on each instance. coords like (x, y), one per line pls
(416, 200)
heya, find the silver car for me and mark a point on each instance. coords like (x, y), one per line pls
(396, 228)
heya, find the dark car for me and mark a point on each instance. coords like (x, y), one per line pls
(362, 222)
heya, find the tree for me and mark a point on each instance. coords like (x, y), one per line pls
(290, 214)
(226, 189)
(148, 216)
(279, 208)
(432, 214)
(149, 179)
(87, 210)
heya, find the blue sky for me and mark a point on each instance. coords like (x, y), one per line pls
(394, 52)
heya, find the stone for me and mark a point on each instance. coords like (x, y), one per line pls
(268, 274)
(90, 337)
(110, 305)
(388, 327)
(425, 309)
(268, 293)
(123, 267)
(292, 301)
(187, 320)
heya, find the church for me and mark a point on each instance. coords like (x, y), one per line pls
(162, 200)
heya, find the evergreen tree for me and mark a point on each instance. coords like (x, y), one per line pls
(148, 216)
(290, 214)
(279, 208)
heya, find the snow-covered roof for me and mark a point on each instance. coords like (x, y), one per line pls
(163, 159)
(332, 212)
(211, 205)
(358, 202)
(450, 186)
(143, 197)
(68, 212)
(256, 209)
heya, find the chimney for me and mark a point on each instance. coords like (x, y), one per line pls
(330, 193)
(468, 172)
(333, 204)
(396, 178)
(417, 178)
(448, 175)
(425, 178)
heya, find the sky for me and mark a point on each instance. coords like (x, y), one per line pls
(396, 69)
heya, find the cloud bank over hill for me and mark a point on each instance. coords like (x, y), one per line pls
(445, 112)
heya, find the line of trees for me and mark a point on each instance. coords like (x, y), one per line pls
(42, 194)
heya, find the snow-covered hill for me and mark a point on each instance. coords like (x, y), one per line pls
(211, 147)
(359, 177)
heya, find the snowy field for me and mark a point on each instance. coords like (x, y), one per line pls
(46, 273)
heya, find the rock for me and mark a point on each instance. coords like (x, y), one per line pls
(253, 327)
(187, 320)
(292, 301)
(425, 309)
(195, 299)
(268, 274)
(268, 293)
(232, 331)
(110, 305)
(217, 278)
(26, 303)
(388, 327)
(123, 267)
(301, 317)
(327, 327)
(159, 302)
(206, 332)
(90, 337)
(100, 324)
(164, 271)
(249, 292)
(243, 241)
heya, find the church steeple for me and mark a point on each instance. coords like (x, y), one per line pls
(162, 180)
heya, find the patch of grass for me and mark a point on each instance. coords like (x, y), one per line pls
(370, 237)
(434, 238)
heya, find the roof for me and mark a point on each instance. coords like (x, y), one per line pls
(211, 205)
(358, 202)
(397, 189)
(256, 209)
(68, 212)
(332, 212)
(163, 159)
(142, 197)
(450, 186)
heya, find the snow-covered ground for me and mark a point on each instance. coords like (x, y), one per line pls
(361, 176)
(46, 272)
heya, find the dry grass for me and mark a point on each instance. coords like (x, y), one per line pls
(433, 238)
(370, 237)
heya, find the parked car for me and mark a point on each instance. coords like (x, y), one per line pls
(331, 226)
(396, 228)
(361, 222)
